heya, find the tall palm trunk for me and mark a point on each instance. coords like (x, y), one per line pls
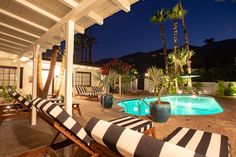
(186, 39)
(164, 47)
(175, 36)
(39, 76)
(51, 71)
(175, 49)
(82, 52)
(60, 77)
(90, 53)
(76, 52)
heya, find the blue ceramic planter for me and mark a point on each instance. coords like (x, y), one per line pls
(160, 112)
(107, 100)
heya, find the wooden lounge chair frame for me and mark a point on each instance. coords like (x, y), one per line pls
(86, 94)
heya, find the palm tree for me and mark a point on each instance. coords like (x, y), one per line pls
(53, 62)
(158, 81)
(77, 48)
(159, 18)
(105, 81)
(60, 77)
(174, 14)
(182, 13)
(39, 76)
(90, 42)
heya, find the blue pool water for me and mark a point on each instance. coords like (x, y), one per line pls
(180, 105)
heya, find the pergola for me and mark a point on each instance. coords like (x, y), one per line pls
(28, 27)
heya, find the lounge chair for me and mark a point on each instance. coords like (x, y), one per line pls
(65, 124)
(82, 92)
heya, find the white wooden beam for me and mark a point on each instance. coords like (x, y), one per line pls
(95, 17)
(122, 4)
(79, 29)
(23, 45)
(9, 50)
(13, 36)
(76, 13)
(70, 3)
(39, 10)
(34, 82)
(23, 20)
(10, 46)
(4, 54)
(19, 30)
(69, 64)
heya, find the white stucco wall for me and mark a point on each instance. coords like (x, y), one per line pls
(27, 73)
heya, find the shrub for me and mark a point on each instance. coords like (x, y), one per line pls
(230, 90)
(220, 88)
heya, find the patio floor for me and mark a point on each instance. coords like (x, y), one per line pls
(18, 135)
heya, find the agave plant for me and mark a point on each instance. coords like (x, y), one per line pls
(105, 81)
(158, 81)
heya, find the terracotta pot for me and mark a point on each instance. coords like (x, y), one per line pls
(160, 112)
(107, 100)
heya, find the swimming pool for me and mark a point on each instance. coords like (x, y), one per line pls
(180, 105)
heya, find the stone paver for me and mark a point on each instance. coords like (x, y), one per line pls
(18, 135)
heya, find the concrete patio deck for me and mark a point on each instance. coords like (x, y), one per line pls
(18, 135)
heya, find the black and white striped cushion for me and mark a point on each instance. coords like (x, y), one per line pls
(136, 124)
(209, 144)
(63, 118)
(131, 143)
(80, 89)
(19, 98)
(96, 89)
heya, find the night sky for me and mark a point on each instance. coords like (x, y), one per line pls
(126, 33)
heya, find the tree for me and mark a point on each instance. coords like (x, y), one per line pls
(39, 76)
(77, 42)
(91, 40)
(44, 93)
(60, 76)
(183, 13)
(174, 14)
(158, 81)
(159, 18)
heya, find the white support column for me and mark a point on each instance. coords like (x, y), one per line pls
(18, 74)
(70, 26)
(119, 84)
(34, 82)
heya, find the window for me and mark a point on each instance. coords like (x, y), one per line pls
(8, 76)
(83, 78)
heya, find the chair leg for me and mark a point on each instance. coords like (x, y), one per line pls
(74, 151)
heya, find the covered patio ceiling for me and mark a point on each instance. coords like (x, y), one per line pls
(26, 23)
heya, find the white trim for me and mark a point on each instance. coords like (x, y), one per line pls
(28, 41)
(95, 17)
(23, 45)
(19, 30)
(39, 10)
(122, 4)
(17, 48)
(79, 29)
(23, 20)
(70, 3)
(9, 50)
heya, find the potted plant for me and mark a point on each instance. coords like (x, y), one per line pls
(105, 81)
(158, 81)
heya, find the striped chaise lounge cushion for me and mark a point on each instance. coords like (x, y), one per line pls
(63, 118)
(131, 143)
(96, 89)
(209, 144)
(82, 91)
(136, 124)
(19, 98)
